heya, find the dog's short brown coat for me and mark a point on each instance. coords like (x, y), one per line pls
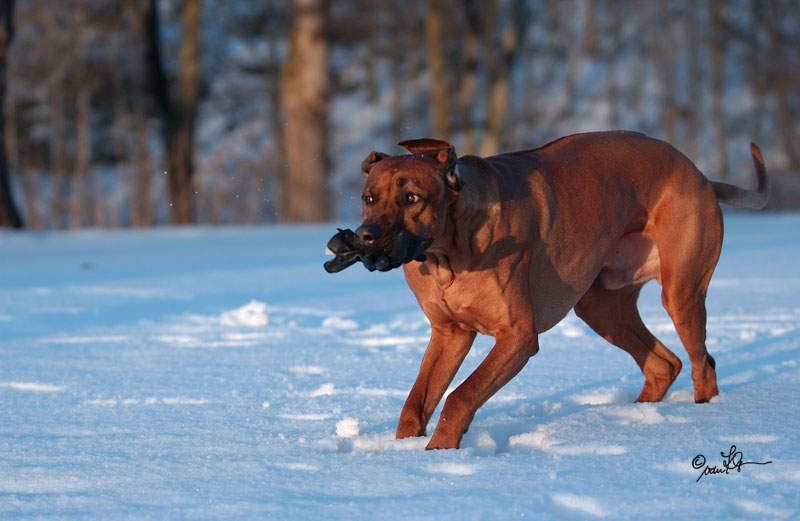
(521, 238)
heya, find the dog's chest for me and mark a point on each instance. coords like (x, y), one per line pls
(473, 299)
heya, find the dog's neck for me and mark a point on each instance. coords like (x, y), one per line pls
(475, 209)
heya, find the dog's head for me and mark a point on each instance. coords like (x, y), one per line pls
(405, 202)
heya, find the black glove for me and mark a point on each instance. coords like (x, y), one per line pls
(347, 253)
(342, 245)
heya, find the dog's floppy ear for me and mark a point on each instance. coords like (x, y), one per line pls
(370, 161)
(441, 151)
(426, 146)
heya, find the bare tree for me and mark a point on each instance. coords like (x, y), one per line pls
(434, 34)
(81, 200)
(304, 102)
(693, 86)
(469, 73)
(121, 106)
(666, 74)
(784, 75)
(178, 115)
(717, 51)
(510, 34)
(9, 216)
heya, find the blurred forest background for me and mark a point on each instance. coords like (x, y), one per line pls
(148, 112)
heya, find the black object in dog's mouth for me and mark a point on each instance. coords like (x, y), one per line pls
(344, 245)
(406, 248)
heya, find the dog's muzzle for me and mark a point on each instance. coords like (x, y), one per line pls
(383, 253)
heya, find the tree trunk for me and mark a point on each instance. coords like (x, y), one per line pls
(143, 212)
(30, 189)
(694, 87)
(468, 84)
(757, 71)
(500, 68)
(434, 34)
(667, 71)
(781, 72)
(304, 98)
(275, 160)
(718, 87)
(58, 164)
(80, 210)
(9, 216)
(142, 208)
(81, 201)
(181, 151)
(614, 90)
(178, 118)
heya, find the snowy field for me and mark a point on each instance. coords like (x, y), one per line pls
(222, 374)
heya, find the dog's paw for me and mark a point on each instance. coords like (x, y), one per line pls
(442, 440)
(440, 446)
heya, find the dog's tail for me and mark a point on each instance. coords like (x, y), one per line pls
(754, 200)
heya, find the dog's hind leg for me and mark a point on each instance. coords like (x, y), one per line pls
(690, 249)
(612, 313)
(687, 308)
(688, 313)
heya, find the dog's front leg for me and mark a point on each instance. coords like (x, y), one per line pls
(447, 348)
(509, 355)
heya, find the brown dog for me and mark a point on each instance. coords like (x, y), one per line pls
(512, 242)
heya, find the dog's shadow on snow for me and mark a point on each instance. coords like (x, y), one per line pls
(507, 420)
(496, 424)
(759, 360)
(502, 420)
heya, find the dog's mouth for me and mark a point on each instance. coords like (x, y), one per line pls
(389, 254)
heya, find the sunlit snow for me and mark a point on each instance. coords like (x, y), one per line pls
(222, 374)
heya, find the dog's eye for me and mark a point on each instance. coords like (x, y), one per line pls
(412, 198)
(368, 199)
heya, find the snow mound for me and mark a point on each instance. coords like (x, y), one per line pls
(306, 370)
(253, 314)
(644, 413)
(33, 387)
(543, 440)
(453, 469)
(298, 466)
(538, 440)
(347, 428)
(597, 397)
(342, 324)
(761, 510)
(483, 444)
(325, 389)
(584, 504)
(750, 438)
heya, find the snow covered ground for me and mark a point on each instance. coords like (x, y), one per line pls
(222, 374)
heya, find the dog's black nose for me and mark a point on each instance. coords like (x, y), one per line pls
(368, 234)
